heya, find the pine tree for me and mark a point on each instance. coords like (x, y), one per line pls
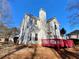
(62, 32)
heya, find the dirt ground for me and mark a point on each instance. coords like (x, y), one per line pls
(24, 52)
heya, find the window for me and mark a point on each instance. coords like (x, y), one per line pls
(35, 22)
(27, 26)
(36, 37)
(55, 26)
(30, 37)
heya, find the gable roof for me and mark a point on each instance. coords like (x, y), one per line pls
(31, 16)
(53, 19)
(73, 32)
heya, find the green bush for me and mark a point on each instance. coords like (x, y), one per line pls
(76, 41)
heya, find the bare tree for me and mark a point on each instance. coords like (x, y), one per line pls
(5, 17)
(73, 10)
(5, 12)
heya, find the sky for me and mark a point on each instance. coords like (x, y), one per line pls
(53, 8)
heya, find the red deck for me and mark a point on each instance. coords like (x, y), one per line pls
(57, 43)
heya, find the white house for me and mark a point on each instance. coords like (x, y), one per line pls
(34, 29)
